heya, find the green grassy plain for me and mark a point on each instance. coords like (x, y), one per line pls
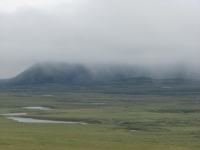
(162, 119)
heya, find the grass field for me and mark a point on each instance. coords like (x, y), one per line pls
(147, 118)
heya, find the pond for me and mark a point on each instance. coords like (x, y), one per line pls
(166, 87)
(14, 114)
(97, 103)
(38, 108)
(133, 130)
(48, 95)
(31, 120)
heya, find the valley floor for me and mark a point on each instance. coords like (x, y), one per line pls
(114, 120)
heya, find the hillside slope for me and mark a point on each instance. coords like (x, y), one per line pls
(44, 73)
(62, 73)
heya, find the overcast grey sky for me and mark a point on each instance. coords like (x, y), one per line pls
(150, 33)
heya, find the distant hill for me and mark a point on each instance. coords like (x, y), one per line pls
(43, 73)
(62, 73)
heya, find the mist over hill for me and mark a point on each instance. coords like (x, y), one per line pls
(42, 73)
(64, 73)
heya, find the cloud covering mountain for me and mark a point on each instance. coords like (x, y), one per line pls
(160, 36)
(64, 73)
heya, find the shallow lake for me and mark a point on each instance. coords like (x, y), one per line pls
(30, 120)
(166, 87)
(133, 130)
(97, 103)
(47, 95)
(14, 114)
(38, 108)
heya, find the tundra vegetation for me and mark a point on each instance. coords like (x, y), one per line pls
(142, 114)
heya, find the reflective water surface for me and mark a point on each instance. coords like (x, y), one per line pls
(14, 114)
(97, 103)
(38, 108)
(30, 120)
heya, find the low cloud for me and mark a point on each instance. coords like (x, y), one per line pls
(154, 35)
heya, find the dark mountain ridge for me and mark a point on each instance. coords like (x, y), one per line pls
(43, 73)
(62, 73)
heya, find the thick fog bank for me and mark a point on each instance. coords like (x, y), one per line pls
(160, 38)
(121, 70)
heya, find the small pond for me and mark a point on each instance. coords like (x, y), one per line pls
(38, 108)
(30, 120)
(133, 130)
(14, 114)
(47, 95)
(166, 87)
(97, 103)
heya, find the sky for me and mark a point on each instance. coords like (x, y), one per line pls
(149, 33)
